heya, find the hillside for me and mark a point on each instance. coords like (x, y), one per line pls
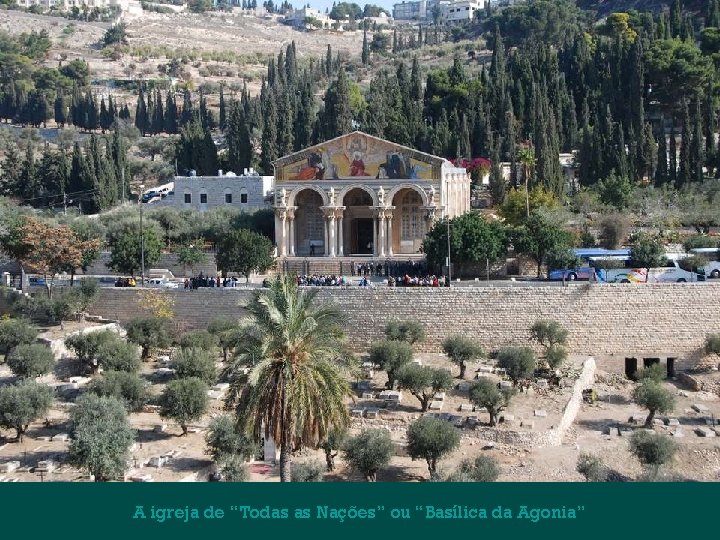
(605, 7)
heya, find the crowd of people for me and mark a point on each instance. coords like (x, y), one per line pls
(321, 281)
(417, 281)
(389, 268)
(209, 281)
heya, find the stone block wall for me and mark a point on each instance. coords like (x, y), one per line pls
(607, 321)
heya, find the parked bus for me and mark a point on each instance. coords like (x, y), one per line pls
(585, 270)
(712, 268)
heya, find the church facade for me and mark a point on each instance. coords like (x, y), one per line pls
(361, 195)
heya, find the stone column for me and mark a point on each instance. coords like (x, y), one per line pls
(340, 214)
(281, 213)
(381, 232)
(332, 228)
(389, 218)
(375, 233)
(291, 227)
(325, 229)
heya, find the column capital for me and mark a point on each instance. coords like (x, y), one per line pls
(430, 212)
(281, 211)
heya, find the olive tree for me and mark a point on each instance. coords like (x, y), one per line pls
(423, 382)
(116, 354)
(461, 350)
(101, 436)
(23, 403)
(233, 469)
(553, 338)
(228, 334)
(14, 332)
(224, 438)
(307, 471)
(481, 469)
(485, 393)
(199, 339)
(431, 439)
(30, 361)
(335, 440)
(86, 346)
(124, 386)
(655, 398)
(592, 467)
(149, 333)
(518, 362)
(391, 356)
(652, 449)
(368, 452)
(408, 331)
(195, 363)
(184, 401)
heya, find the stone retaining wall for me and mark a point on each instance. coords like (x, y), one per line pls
(608, 322)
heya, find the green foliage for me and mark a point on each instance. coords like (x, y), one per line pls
(592, 467)
(368, 452)
(101, 436)
(149, 333)
(408, 331)
(124, 386)
(548, 333)
(233, 468)
(223, 439)
(481, 469)
(461, 350)
(423, 382)
(555, 355)
(676, 69)
(23, 403)
(307, 471)
(712, 344)
(615, 191)
(190, 255)
(199, 339)
(653, 449)
(86, 346)
(126, 242)
(539, 237)
(30, 361)
(519, 362)
(244, 251)
(654, 397)
(14, 332)
(390, 356)
(514, 208)
(184, 401)
(197, 363)
(115, 35)
(655, 373)
(700, 241)
(431, 438)
(614, 229)
(539, 21)
(332, 443)
(115, 354)
(472, 239)
(228, 334)
(647, 251)
(485, 393)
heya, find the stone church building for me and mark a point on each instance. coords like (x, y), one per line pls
(361, 195)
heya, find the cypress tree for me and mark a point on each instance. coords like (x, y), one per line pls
(28, 181)
(661, 171)
(697, 145)
(268, 140)
(141, 118)
(672, 151)
(105, 118)
(684, 167)
(171, 114)
(710, 126)
(158, 115)
(497, 182)
(223, 117)
(238, 139)
(186, 115)
(328, 62)
(60, 109)
(365, 56)
(675, 18)
(92, 114)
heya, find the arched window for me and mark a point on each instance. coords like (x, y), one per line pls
(410, 224)
(243, 196)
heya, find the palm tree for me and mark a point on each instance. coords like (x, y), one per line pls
(526, 156)
(297, 389)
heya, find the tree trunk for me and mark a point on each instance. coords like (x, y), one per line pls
(432, 467)
(145, 352)
(285, 464)
(72, 277)
(371, 476)
(20, 431)
(184, 429)
(462, 370)
(493, 419)
(284, 439)
(424, 402)
(649, 419)
(330, 460)
(225, 351)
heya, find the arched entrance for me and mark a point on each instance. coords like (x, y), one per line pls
(308, 223)
(359, 223)
(408, 227)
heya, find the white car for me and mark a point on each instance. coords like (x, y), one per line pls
(162, 283)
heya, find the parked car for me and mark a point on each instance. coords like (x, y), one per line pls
(162, 283)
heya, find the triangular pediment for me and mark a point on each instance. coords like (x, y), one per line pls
(355, 156)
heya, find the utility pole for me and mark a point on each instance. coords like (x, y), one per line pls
(64, 204)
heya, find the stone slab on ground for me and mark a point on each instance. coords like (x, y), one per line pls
(699, 407)
(9, 466)
(541, 413)
(705, 432)
(672, 422)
